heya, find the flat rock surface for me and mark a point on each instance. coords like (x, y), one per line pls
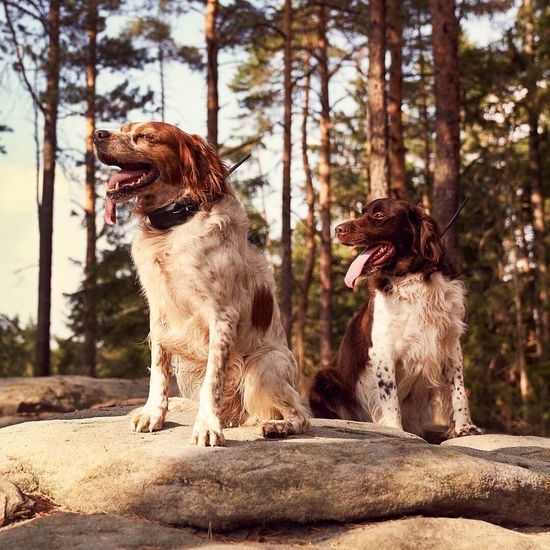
(65, 393)
(342, 471)
(109, 532)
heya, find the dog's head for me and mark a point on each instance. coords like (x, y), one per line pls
(398, 238)
(158, 165)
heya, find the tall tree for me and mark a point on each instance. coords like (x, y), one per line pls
(45, 210)
(378, 125)
(398, 183)
(325, 273)
(534, 187)
(90, 317)
(212, 71)
(447, 103)
(286, 237)
(307, 278)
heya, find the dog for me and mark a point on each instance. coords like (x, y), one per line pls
(210, 292)
(400, 361)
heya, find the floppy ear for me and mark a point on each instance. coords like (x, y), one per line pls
(427, 237)
(203, 172)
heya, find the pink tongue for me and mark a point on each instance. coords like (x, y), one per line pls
(356, 267)
(110, 212)
(123, 176)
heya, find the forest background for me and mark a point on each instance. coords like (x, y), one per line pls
(338, 102)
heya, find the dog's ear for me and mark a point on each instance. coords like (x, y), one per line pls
(427, 236)
(203, 172)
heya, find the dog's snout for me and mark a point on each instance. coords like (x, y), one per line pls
(342, 229)
(100, 135)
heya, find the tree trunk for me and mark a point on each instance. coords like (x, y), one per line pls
(447, 105)
(325, 321)
(162, 84)
(212, 71)
(398, 182)
(90, 316)
(425, 122)
(45, 215)
(376, 90)
(286, 238)
(309, 263)
(534, 190)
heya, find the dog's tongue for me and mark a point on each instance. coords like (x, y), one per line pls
(122, 176)
(110, 211)
(357, 266)
(119, 177)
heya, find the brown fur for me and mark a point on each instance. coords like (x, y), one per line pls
(262, 308)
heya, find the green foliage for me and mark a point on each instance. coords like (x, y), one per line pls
(16, 347)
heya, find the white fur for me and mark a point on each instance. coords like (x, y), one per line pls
(200, 279)
(414, 379)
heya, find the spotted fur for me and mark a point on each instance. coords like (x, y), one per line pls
(400, 362)
(210, 295)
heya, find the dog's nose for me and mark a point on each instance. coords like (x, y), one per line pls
(341, 229)
(100, 135)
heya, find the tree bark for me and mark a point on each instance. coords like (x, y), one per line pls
(447, 104)
(376, 90)
(534, 189)
(286, 238)
(162, 84)
(90, 283)
(325, 321)
(309, 263)
(212, 71)
(425, 120)
(45, 215)
(398, 182)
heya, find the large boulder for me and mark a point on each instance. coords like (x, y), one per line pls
(343, 471)
(109, 532)
(24, 396)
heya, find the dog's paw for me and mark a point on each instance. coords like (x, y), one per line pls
(276, 428)
(469, 429)
(147, 419)
(207, 433)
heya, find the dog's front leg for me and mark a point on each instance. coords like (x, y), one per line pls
(151, 416)
(461, 419)
(389, 413)
(207, 429)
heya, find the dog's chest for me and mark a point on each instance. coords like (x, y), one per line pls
(417, 321)
(170, 275)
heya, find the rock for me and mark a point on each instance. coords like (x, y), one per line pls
(95, 532)
(13, 503)
(524, 451)
(109, 532)
(65, 393)
(343, 471)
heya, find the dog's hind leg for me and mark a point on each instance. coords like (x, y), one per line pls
(270, 396)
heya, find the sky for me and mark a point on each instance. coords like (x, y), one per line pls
(186, 108)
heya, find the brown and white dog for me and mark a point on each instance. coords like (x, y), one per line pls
(400, 362)
(210, 292)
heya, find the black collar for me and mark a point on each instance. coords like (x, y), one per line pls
(176, 213)
(180, 212)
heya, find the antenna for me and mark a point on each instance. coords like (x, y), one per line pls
(464, 202)
(238, 163)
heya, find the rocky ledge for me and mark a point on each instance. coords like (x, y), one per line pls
(341, 471)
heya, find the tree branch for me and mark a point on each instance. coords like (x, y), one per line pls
(17, 50)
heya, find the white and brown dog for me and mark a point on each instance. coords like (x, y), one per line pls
(400, 362)
(210, 292)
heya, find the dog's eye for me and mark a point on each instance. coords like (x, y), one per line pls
(379, 215)
(146, 137)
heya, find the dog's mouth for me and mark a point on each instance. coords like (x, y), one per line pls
(129, 181)
(369, 261)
